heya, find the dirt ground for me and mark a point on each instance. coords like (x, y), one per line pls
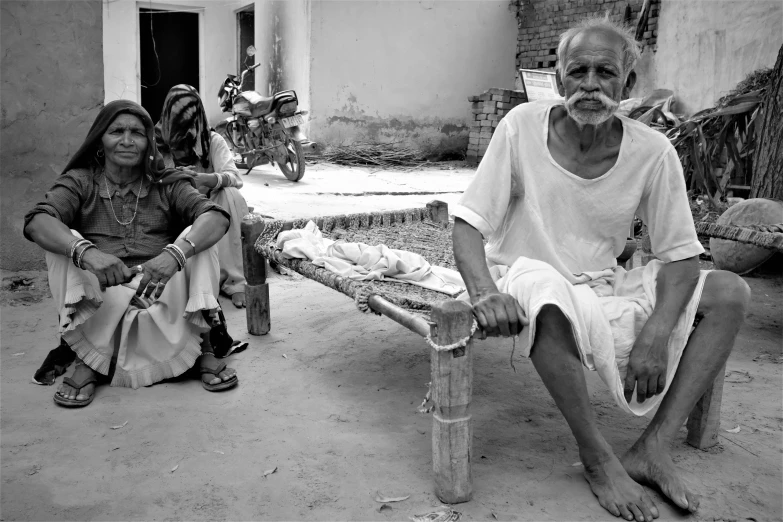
(329, 399)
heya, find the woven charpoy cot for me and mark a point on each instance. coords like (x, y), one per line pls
(445, 322)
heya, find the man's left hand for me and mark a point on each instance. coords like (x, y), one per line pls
(157, 272)
(648, 362)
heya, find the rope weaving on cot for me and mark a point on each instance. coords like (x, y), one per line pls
(765, 236)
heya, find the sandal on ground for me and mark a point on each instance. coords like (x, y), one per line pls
(214, 369)
(74, 403)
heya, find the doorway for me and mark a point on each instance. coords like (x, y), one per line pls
(246, 23)
(168, 54)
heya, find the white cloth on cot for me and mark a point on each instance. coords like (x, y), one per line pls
(362, 262)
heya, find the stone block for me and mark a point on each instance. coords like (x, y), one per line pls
(473, 99)
(490, 108)
(483, 148)
(485, 97)
(495, 91)
(486, 123)
(481, 117)
(493, 117)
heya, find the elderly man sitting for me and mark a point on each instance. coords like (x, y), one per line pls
(554, 195)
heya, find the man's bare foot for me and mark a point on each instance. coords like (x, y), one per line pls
(238, 298)
(650, 464)
(81, 373)
(617, 492)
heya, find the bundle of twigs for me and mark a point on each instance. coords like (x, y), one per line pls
(380, 155)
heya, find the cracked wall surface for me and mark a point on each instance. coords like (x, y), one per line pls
(51, 91)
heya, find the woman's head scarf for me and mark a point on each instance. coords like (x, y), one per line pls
(154, 168)
(183, 125)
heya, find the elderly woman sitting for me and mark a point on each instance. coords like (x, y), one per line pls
(184, 139)
(132, 264)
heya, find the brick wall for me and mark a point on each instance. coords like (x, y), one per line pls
(488, 109)
(541, 22)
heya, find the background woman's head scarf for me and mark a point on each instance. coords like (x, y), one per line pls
(183, 125)
(154, 168)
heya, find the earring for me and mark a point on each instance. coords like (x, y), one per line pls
(99, 153)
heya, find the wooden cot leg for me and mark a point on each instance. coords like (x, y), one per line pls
(452, 388)
(704, 420)
(256, 288)
(439, 211)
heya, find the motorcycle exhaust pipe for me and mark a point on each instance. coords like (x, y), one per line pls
(298, 135)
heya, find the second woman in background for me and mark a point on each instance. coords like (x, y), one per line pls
(185, 140)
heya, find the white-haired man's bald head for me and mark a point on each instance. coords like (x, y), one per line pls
(630, 47)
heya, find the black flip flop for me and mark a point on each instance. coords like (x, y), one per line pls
(224, 385)
(73, 403)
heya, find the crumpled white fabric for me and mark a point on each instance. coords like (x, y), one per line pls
(607, 312)
(362, 262)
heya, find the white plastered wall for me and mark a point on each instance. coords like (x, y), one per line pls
(217, 39)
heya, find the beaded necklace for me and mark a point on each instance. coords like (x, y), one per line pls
(138, 195)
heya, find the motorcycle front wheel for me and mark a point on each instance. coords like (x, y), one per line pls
(293, 165)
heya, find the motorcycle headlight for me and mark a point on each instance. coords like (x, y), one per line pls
(253, 123)
(271, 119)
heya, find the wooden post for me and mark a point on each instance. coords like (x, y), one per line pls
(256, 287)
(452, 388)
(439, 211)
(704, 420)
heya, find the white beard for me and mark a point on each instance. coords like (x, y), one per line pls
(591, 117)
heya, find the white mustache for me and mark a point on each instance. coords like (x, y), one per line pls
(598, 96)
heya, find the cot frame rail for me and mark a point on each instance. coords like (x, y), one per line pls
(451, 371)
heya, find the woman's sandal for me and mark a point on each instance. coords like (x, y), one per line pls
(73, 403)
(215, 370)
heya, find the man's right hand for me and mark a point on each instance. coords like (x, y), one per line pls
(499, 314)
(109, 270)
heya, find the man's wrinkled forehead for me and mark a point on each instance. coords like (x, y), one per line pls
(596, 43)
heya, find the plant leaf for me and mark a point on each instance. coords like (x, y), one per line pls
(739, 108)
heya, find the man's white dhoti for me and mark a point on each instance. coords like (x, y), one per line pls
(150, 344)
(605, 319)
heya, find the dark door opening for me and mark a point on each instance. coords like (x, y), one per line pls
(246, 23)
(169, 53)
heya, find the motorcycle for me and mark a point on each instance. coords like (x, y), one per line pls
(263, 130)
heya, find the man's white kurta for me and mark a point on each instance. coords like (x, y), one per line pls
(531, 210)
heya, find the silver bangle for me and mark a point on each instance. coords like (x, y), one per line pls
(177, 253)
(173, 253)
(191, 243)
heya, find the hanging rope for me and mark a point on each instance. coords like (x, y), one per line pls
(453, 346)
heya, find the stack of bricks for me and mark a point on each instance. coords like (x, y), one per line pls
(488, 109)
(541, 22)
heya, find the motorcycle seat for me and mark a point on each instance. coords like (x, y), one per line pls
(250, 103)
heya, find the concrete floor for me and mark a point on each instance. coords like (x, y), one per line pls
(331, 189)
